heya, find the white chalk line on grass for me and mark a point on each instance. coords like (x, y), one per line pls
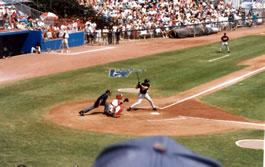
(88, 51)
(264, 152)
(219, 58)
(228, 121)
(216, 87)
(207, 119)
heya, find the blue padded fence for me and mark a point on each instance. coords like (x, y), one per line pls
(75, 39)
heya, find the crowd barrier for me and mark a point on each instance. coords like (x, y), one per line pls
(177, 31)
(25, 40)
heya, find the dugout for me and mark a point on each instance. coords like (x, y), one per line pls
(19, 42)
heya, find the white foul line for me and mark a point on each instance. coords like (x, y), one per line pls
(223, 121)
(219, 58)
(227, 121)
(95, 50)
(216, 87)
(264, 151)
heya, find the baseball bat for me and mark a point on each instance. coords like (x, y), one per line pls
(137, 73)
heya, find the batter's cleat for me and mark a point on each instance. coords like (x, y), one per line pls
(81, 113)
(129, 109)
(155, 109)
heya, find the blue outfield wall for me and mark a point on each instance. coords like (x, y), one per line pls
(75, 39)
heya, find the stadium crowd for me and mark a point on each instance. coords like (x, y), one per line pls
(148, 17)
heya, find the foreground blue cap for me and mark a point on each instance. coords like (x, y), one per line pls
(156, 151)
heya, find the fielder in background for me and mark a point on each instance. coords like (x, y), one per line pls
(116, 107)
(143, 94)
(65, 45)
(225, 40)
(37, 48)
(101, 101)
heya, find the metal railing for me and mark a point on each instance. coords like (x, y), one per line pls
(163, 32)
(24, 8)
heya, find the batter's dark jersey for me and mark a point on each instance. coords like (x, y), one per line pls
(103, 98)
(142, 91)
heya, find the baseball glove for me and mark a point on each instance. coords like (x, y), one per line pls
(126, 100)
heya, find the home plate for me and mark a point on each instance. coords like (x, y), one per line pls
(155, 113)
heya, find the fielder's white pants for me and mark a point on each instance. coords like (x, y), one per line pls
(226, 45)
(115, 111)
(140, 99)
(33, 49)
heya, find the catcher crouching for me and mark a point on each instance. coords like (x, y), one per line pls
(116, 107)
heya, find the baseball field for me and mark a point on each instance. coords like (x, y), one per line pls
(207, 100)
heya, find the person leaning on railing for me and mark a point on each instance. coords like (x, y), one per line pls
(30, 25)
(5, 21)
(52, 31)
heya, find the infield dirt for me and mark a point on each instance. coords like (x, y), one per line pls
(187, 118)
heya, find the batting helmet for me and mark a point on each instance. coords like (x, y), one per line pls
(146, 80)
(118, 96)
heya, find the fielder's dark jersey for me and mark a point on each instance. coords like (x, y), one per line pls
(103, 98)
(225, 38)
(144, 91)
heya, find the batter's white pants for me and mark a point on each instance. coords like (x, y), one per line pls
(141, 96)
(226, 45)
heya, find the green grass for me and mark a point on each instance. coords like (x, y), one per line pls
(26, 137)
(223, 148)
(245, 98)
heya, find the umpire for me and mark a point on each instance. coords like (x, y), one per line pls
(101, 101)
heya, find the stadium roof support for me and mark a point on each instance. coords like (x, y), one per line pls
(15, 1)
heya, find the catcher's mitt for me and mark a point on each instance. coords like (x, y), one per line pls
(126, 100)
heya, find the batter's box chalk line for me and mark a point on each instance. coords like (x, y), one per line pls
(167, 119)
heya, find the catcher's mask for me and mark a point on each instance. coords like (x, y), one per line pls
(118, 96)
